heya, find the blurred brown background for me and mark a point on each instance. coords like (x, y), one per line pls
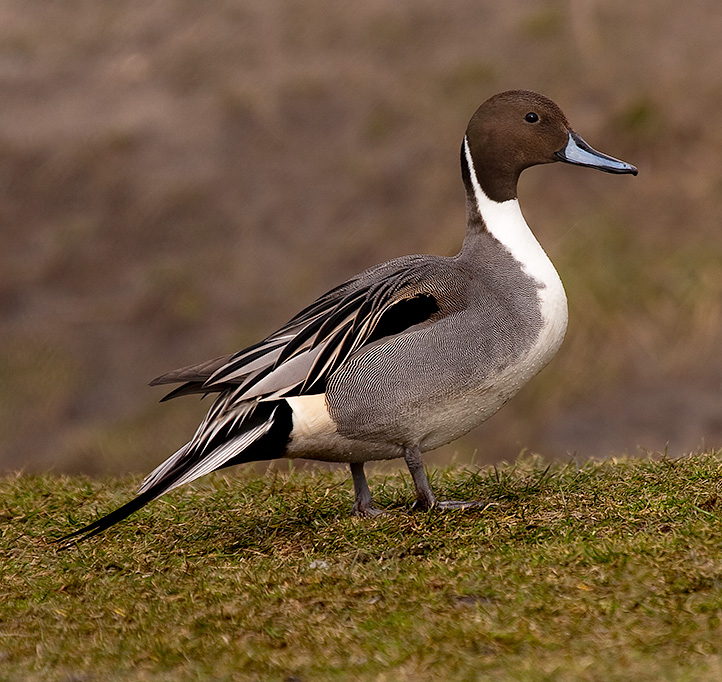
(178, 178)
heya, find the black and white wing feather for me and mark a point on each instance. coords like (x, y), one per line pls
(301, 356)
(249, 420)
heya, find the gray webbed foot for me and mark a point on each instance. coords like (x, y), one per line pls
(425, 498)
(364, 505)
(367, 512)
(462, 504)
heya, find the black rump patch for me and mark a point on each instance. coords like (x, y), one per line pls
(272, 444)
(404, 314)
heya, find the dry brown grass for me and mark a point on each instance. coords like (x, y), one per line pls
(606, 572)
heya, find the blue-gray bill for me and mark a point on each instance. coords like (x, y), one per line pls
(579, 153)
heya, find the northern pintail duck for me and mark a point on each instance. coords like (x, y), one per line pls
(408, 355)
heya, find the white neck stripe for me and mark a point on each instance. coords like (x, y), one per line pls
(478, 192)
(504, 220)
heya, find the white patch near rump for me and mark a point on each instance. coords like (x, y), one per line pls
(314, 436)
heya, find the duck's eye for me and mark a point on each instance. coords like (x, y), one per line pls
(531, 117)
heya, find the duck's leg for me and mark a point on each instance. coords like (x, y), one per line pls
(364, 505)
(425, 498)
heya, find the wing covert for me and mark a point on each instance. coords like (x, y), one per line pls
(301, 356)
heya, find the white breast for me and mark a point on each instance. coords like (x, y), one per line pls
(504, 220)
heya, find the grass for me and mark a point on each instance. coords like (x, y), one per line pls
(606, 571)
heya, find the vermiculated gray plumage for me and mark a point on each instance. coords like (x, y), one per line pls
(409, 354)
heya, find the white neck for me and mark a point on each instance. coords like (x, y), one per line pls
(505, 222)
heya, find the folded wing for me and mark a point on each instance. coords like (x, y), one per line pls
(300, 357)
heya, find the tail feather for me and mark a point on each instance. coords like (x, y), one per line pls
(106, 521)
(229, 435)
(217, 458)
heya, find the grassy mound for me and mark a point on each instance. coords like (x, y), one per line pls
(608, 571)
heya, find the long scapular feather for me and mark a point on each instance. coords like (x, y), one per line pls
(337, 324)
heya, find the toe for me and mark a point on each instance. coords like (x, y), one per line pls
(461, 504)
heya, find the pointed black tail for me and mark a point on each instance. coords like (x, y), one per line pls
(260, 434)
(108, 520)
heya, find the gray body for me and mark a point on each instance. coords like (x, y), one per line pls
(408, 355)
(417, 388)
